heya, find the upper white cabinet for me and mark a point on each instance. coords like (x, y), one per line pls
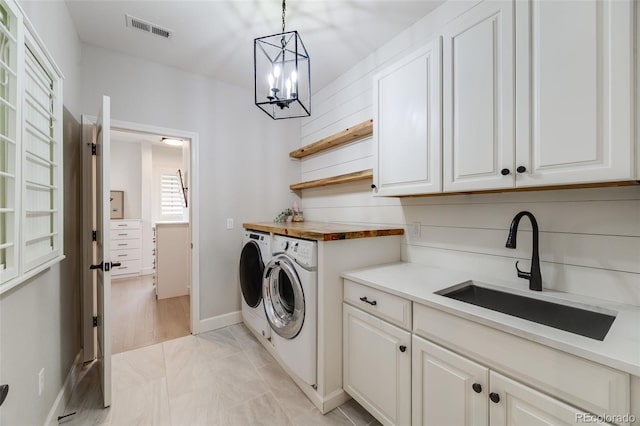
(574, 91)
(478, 98)
(534, 93)
(406, 119)
(572, 119)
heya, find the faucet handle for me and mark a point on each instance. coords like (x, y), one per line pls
(522, 274)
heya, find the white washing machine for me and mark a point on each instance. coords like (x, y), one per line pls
(290, 293)
(256, 252)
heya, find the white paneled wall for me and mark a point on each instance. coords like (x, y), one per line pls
(589, 239)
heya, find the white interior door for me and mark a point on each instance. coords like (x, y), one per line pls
(103, 206)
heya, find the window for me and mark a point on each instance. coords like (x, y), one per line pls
(9, 150)
(30, 152)
(171, 198)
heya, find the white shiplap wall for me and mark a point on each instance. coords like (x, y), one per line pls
(589, 240)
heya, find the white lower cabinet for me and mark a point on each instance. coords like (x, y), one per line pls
(515, 404)
(410, 364)
(447, 388)
(377, 366)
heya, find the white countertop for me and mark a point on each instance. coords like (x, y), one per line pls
(620, 349)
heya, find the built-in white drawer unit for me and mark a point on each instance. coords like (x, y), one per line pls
(125, 234)
(126, 246)
(125, 224)
(127, 267)
(394, 309)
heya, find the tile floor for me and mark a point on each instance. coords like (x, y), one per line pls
(223, 377)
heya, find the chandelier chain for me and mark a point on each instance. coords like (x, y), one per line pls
(284, 9)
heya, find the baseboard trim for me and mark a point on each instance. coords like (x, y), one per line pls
(224, 320)
(60, 403)
(334, 399)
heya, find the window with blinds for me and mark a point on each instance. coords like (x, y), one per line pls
(9, 151)
(31, 192)
(171, 198)
(41, 159)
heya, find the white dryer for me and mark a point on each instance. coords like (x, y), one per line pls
(290, 293)
(256, 252)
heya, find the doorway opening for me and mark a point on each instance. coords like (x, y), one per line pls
(154, 237)
(150, 222)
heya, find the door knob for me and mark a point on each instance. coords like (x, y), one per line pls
(521, 169)
(105, 267)
(494, 397)
(477, 387)
(505, 172)
(403, 348)
(98, 266)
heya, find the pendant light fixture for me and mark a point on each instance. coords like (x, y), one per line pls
(282, 78)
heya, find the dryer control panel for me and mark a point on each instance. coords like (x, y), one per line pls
(305, 252)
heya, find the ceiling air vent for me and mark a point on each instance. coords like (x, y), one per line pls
(147, 27)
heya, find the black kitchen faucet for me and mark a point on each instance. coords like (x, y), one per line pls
(534, 277)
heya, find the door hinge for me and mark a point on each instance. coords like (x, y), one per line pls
(94, 149)
(94, 235)
(95, 321)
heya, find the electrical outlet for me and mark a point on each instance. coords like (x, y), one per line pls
(41, 381)
(229, 223)
(415, 229)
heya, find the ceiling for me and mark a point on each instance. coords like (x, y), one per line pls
(140, 137)
(215, 37)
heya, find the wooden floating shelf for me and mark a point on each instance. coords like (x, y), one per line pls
(334, 180)
(351, 134)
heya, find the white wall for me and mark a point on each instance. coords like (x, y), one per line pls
(126, 175)
(590, 238)
(39, 320)
(244, 168)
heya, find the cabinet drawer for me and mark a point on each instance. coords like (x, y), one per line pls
(125, 224)
(384, 305)
(127, 267)
(127, 254)
(125, 234)
(580, 382)
(125, 244)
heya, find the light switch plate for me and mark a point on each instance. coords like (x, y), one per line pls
(415, 229)
(40, 381)
(230, 223)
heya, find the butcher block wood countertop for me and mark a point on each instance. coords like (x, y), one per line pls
(321, 231)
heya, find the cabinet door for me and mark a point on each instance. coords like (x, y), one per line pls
(377, 366)
(574, 91)
(406, 120)
(478, 99)
(447, 388)
(521, 405)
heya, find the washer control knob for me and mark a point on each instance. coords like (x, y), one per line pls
(285, 245)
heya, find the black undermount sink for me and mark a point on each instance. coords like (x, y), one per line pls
(594, 325)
